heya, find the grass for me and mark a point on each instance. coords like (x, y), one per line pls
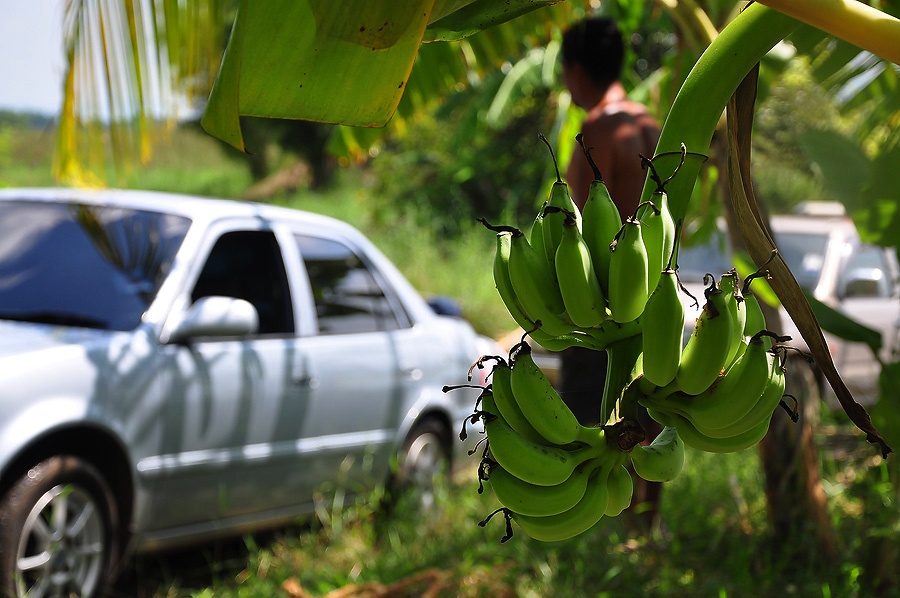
(713, 541)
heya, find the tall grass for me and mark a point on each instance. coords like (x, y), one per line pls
(713, 541)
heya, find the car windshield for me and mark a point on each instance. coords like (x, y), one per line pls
(79, 265)
(804, 254)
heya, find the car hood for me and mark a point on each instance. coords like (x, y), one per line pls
(20, 338)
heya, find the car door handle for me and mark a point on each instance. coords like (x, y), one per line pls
(305, 382)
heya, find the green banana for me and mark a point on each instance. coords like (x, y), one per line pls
(734, 300)
(653, 236)
(532, 282)
(503, 283)
(755, 319)
(529, 461)
(538, 501)
(731, 396)
(763, 409)
(559, 205)
(577, 520)
(559, 201)
(542, 405)
(577, 280)
(662, 460)
(660, 200)
(600, 221)
(620, 486)
(663, 330)
(703, 358)
(536, 234)
(628, 291)
(701, 442)
(502, 392)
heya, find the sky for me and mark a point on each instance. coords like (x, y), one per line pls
(31, 55)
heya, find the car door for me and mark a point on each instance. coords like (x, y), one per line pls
(352, 371)
(235, 408)
(867, 289)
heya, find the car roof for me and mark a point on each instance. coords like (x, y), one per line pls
(196, 208)
(811, 224)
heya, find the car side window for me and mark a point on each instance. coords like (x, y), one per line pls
(248, 265)
(347, 295)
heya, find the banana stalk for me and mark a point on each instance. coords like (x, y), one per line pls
(852, 21)
(704, 95)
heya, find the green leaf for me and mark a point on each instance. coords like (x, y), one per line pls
(842, 326)
(842, 162)
(316, 60)
(480, 15)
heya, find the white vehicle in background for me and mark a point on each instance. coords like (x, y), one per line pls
(823, 249)
(175, 368)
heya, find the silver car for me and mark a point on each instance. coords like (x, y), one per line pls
(174, 367)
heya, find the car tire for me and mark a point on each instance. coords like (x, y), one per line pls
(423, 465)
(59, 531)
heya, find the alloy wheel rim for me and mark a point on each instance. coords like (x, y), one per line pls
(61, 548)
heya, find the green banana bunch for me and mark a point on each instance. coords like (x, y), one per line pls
(763, 409)
(600, 221)
(530, 461)
(578, 282)
(628, 291)
(733, 394)
(741, 433)
(662, 460)
(704, 356)
(539, 501)
(663, 330)
(541, 404)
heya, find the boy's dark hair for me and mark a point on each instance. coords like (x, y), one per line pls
(596, 44)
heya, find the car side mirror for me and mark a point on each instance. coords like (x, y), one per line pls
(217, 316)
(865, 282)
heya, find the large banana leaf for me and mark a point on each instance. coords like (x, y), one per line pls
(345, 63)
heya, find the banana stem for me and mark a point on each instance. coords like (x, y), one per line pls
(850, 20)
(622, 367)
(702, 98)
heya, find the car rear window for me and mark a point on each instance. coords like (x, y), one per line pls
(83, 265)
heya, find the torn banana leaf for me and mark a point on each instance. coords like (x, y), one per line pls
(315, 60)
(478, 16)
(763, 251)
(335, 62)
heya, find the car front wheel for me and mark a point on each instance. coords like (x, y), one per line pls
(58, 531)
(424, 463)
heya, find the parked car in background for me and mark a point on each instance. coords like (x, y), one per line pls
(173, 368)
(823, 249)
